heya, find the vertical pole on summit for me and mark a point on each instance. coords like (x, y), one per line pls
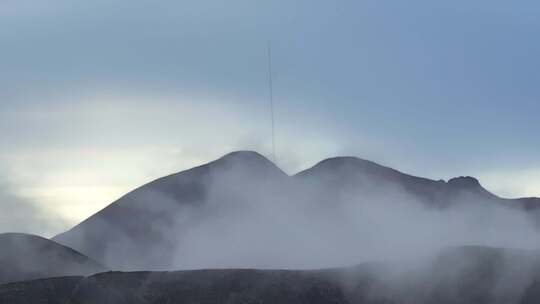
(271, 91)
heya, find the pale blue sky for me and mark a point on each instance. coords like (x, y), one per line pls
(99, 96)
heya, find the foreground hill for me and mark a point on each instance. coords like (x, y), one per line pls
(466, 275)
(243, 211)
(26, 257)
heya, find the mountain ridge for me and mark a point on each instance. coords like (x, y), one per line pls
(136, 224)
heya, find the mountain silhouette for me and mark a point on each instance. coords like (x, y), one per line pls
(342, 173)
(127, 226)
(153, 226)
(25, 257)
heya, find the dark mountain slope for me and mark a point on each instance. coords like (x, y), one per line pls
(467, 275)
(25, 257)
(128, 233)
(42, 291)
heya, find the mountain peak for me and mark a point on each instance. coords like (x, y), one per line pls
(347, 166)
(470, 184)
(467, 182)
(244, 155)
(347, 161)
(248, 160)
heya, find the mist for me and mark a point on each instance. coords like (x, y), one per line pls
(294, 228)
(346, 230)
(241, 211)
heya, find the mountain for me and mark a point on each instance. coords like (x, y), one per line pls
(129, 233)
(354, 174)
(26, 257)
(464, 275)
(241, 210)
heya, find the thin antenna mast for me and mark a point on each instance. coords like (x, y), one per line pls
(271, 91)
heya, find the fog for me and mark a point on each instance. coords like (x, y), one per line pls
(379, 235)
(275, 231)
(243, 212)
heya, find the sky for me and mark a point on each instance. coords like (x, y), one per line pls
(99, 97)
